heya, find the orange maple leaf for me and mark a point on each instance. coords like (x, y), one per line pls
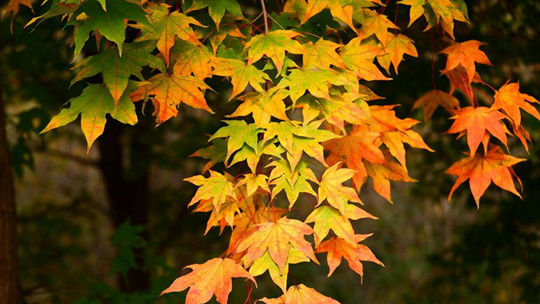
(13, 6)
(383, 173)
(167, 92)
(478, 121)
(435, 98)
(481, 170)
(511, 100)
(465, 54)
(460, 80)
(352, 149)
(213, 277)
(338, 248)
(300, 294)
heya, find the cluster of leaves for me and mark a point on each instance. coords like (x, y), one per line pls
(297, 74)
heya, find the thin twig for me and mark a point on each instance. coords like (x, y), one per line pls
(273, 20)
(265, 16)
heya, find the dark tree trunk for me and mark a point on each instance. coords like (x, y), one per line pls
(10, 292)
(125, 170)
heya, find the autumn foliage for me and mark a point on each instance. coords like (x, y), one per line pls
(305, 125)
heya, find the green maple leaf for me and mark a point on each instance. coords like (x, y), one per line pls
(116, 69)
(241, 74)
(217, 8)
(347, 107)
(92, 16)
(217, 188)
(239, 133)
(264, 263)
(316, 81)
(299, 139)
(93, 105)
(216, 153)
(252, 156)
(292, 181)
(326, 218)
(274, 45)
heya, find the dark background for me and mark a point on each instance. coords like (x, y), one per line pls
(76, 246)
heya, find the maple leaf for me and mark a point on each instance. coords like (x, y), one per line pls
(376, 24)
(247, 222)
(322, 55)
(276, 238)
(478, 121)
(292, 181)
(238, 133)
(394, 142)
(166, 26)
(433, 99)
(192, 58)
(252, 156)
(263, 105)
(91, 15)
(359, 57)
(168, 91)
(511, 100)
(93, 105)
(222, 217)
(338, 248)
(416, 9)
(217, 188)
(460, 80)
(481, 170)
(217, 8)
(326, 218)
(394, 49)
(13, 7)
(465, 54)
(214, 277)
(254, 182)
(274, 45)
(384, 119)
(332, 190)
(216, 38)
(338, 110)
(352, 149)
(300, 294)
(217, 153)
(445, 12)
(299, 139)
(241, 74)
(340, 9)
(313, 80)
(384, 172)
(264, 263)
(117, 69)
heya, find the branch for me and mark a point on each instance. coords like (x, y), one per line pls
(68, 156)
(265, 16)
